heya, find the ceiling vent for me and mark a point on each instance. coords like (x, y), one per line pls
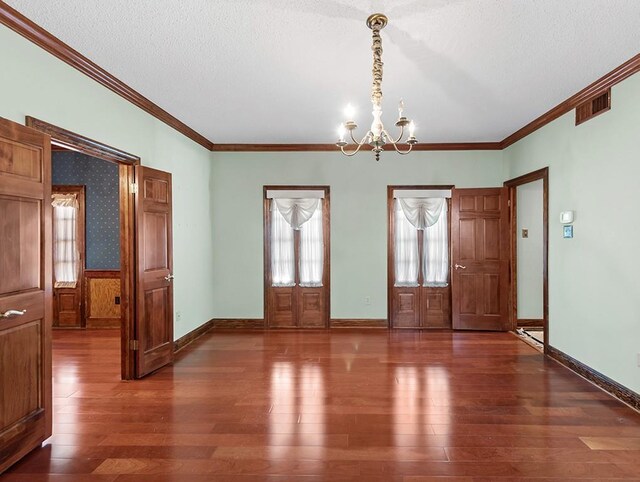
(593, 107)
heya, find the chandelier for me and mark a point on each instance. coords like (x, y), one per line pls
(377, 137)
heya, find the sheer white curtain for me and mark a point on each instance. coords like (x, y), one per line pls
(428, 215)
(66, 257)
(304, 215)
(406, 249)
(435, 252)
(282, 252)
(312, 250)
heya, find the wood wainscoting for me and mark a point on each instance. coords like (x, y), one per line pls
(103, 296)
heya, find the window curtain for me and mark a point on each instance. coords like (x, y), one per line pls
(66, 256)
(406, 249)
(428, 215)
(304, 215)
(435, 252)
(282, 253)
(312, 250)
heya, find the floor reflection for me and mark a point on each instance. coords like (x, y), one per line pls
(297, 398)
(421, 399)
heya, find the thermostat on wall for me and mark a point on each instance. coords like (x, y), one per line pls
(566, 217)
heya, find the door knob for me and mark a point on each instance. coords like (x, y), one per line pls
(169, 277)
(10, 313)
(459, 266)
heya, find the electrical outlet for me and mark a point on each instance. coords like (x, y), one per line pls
(367, 300)
(117, 300)
(178, 315)
(525, 233)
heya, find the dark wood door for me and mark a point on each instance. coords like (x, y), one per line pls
(154, 257)
(25, 291)
(480, 259)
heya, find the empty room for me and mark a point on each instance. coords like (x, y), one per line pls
(319, 240)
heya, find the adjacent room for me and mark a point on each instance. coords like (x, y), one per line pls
(346, 241)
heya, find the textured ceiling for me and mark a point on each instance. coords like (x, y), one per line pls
(281, 71)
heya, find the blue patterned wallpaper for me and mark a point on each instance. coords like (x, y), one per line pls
(102, 204)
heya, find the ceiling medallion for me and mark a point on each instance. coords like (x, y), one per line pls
(377, 137)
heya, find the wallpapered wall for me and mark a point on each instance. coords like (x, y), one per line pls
(102, 204)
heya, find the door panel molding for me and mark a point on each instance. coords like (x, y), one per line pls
(479, 246)
(26, 262)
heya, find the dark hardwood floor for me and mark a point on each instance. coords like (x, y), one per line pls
(331, 405)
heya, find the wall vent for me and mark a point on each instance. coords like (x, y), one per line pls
(593, 107)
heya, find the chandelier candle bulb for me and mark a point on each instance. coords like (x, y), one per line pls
(378, 136)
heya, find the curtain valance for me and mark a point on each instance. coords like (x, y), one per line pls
(422, 212)
(297, 211)
(64, 201)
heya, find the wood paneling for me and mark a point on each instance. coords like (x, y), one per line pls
(39, 36)
(512, 185)
(25, 291)
(343, 405)
(480, 259)
(154, 321)
(103, 299)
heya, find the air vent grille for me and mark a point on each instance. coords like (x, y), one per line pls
(593, 107)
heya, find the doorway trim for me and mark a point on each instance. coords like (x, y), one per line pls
(126, 163)
(513, 184)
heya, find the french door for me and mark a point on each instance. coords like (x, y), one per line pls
(296, 254)
(417, 303)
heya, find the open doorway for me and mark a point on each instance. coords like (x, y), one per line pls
(102, 295)
(528, 196)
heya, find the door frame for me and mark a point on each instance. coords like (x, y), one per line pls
(126, 163)
(326, 233)
(512, 184)
(391, 243)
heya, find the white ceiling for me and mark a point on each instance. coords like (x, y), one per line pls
(281, 71)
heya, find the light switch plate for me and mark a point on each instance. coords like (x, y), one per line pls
(567, 231)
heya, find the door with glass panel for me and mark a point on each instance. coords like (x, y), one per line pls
(68, 204)
(296, 244)
(419, 291)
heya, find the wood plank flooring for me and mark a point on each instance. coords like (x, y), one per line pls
(331, 405)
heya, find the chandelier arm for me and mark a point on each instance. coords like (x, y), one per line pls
(354, 139)
(402, 153)
(394, 142)
(352, 153)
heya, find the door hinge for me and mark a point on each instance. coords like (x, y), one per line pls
(133, 345)
(509, 203)
(134, 188)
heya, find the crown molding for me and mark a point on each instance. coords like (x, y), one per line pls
(439, 146)
(36, 34)
(39, 36)
(605, 82)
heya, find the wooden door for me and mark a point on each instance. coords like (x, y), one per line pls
(25, 291)
(154, 258)
(67, 300)
(296, 306)
(480, 259)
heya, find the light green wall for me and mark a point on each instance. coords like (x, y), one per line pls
(358, 218)
(530, 250)
(33, 82)
(594, 293)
